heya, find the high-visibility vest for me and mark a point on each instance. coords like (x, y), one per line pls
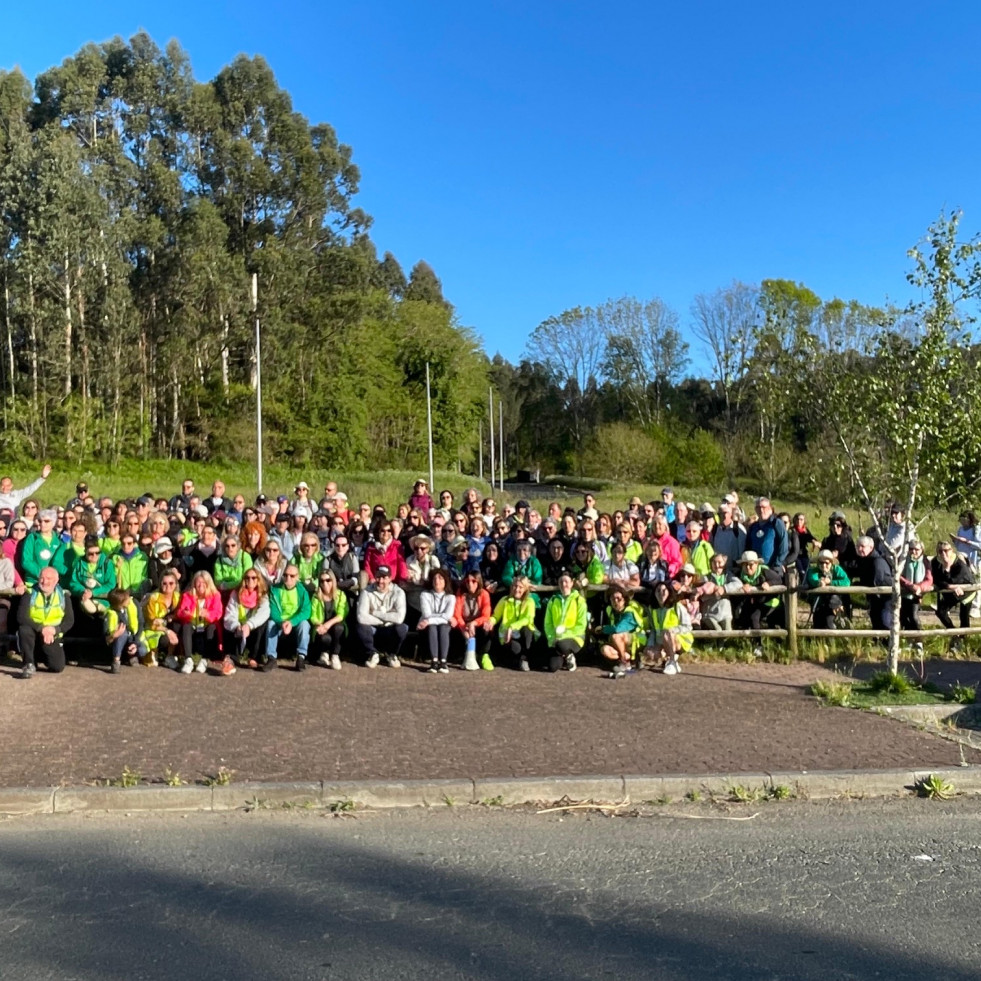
(132, 619)
(48, 611)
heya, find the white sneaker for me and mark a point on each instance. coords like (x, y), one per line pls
(372, 661)
(672, 667)
(335, 662)
(201, 666)
(470, 661)
(570, 662)
(188, 666)
(392, 661)
(443, 668)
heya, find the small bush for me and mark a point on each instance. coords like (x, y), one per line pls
(963, 694)
(885, 682)
(832, 692)
(934, 787)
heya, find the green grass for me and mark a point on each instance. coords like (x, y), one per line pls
(390, 487)
(164, 477)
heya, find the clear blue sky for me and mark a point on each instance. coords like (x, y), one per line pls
(546, 155)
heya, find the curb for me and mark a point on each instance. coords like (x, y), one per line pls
(504, 791)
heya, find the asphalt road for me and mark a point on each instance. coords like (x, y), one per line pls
(803, 890)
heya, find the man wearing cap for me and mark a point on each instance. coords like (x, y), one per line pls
(44, 619)
(280, 533)
(40, 549)
(10, 499)
(381, 619)
(81, 496)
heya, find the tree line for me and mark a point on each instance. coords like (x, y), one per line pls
(135, 204)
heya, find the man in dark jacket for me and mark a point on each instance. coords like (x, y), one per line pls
(872, 569)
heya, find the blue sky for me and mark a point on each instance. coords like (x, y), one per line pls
(545, 155)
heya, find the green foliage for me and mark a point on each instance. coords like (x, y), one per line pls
(832, 692)
(934, 787)
(963, 694)
(128, 778)
(888, 682)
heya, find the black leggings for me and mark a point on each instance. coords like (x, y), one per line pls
(945, 605)
(326, 643)
(562, 649)
(521, 643)
(203, 642)
(53, 655)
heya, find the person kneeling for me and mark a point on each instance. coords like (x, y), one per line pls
(670, 630)
(124, 629)
(565, 625)
(45, 615)
(623, 631)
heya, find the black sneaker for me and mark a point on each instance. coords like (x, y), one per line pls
(433, 667)
(301, 662)
(115, 666)
(269, 664)
(28, 671)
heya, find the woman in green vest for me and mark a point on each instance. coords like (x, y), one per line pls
(565, 625)
(670, 634)
(328, 617)
(231, 564)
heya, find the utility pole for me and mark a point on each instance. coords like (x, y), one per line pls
(258, 382)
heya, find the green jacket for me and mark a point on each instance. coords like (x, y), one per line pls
(132, 573)
(228, 574)
(37, 554)
(318, 614)
(568, 612)
(100, 572)
(701, 557)
(532, 569)
(512, 614)
(280, 608)
(309, 569)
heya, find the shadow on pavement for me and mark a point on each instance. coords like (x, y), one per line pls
(354, 912)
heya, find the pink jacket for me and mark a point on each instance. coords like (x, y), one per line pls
(188, 606)
(392, 557)
(671, 553)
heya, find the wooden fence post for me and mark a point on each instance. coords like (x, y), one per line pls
(790, 607)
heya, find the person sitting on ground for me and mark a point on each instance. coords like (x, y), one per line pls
(45, 616)
(623, 633)
(916, 581)
(160, 620)
(514, 617)
(328, 620)
(566, 621)
(472, 618)
(245, 621)
(289, 616)
(200, 614)
(381, 619)
(437, 606)
(671, 630)
(124, 631)
(825, 572)
(93, 578)
(951, 574)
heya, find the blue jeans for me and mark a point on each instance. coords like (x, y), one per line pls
(119, 645)
(302, 634)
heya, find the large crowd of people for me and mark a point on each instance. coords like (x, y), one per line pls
(198, 582)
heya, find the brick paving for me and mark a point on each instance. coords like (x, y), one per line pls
(86, 725)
